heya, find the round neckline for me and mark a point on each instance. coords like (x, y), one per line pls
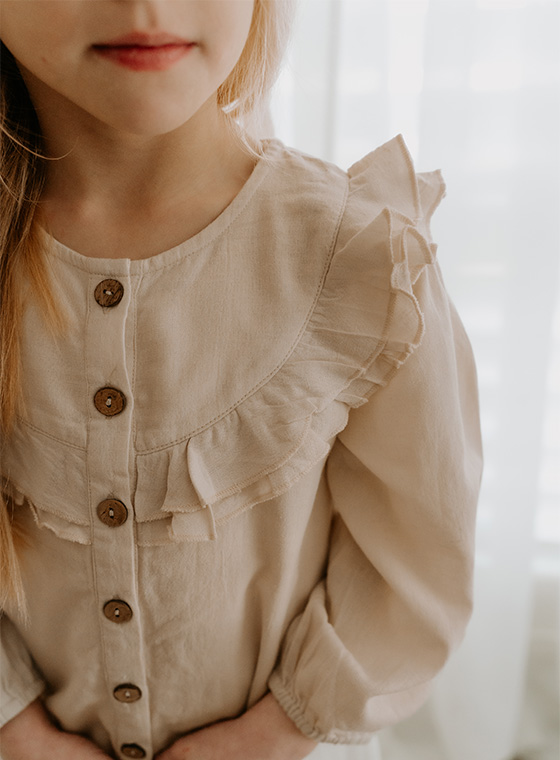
(94, 264)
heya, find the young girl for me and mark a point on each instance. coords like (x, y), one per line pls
(240, 448)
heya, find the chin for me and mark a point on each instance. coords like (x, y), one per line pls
(142, 124)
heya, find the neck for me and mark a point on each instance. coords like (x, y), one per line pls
(122, 173)
(118, 195)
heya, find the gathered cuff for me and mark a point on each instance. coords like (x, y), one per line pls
(295, 711)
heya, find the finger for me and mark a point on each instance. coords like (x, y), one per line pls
(182, 750)
(169, 754)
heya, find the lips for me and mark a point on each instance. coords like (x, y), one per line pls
(145, 39)
(142, 51)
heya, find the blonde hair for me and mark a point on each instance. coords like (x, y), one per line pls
(23, 168)
(245, 91)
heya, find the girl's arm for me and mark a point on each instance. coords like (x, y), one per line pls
(404, 478)
(263, 733)
(31, 736)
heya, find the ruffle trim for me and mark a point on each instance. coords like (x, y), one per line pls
(366, 322)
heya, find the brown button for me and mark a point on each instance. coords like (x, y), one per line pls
(117, 611)
(109, 401)
(133, 750)
(109, 293)
(112, 512)
(127, 692)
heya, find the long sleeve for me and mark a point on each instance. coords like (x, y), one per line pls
(403, 477)
(19, 679)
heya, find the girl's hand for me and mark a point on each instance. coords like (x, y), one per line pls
(262, 733)
(31, 736)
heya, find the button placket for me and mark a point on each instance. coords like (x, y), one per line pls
(110, 349)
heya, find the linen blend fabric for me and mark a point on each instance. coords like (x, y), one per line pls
(251, 463)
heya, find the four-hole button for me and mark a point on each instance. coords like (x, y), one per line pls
(117, 611)
(112, 512)
(133, 750)
(109, 401)
(109, 293)
(127, 692)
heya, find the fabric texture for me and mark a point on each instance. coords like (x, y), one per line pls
(298, 454)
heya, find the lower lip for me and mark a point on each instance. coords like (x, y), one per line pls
(139, 58)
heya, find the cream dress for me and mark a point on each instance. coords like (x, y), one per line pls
(251, 463)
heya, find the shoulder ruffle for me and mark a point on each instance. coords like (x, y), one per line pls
(365, 322)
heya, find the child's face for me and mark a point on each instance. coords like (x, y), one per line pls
(61, 48)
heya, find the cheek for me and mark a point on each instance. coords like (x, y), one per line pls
(34, 31)
(231, 33)
(241, 23)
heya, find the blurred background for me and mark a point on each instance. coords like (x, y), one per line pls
(474, 87)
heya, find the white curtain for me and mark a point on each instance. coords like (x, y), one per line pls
(474, 86)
